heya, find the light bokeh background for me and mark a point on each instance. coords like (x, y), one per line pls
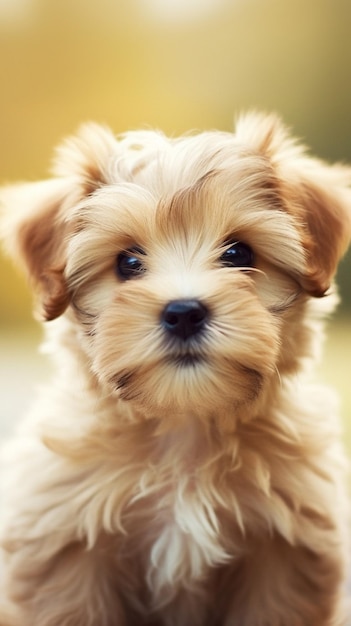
(176, 65)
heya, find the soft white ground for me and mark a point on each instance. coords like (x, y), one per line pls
(22, 370)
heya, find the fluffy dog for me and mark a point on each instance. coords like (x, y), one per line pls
(182, 469)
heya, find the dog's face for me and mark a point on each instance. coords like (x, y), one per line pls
(185, 265)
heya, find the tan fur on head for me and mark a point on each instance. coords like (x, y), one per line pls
(179, 476)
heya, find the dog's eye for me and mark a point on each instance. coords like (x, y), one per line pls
(239, 254)
(129, 264)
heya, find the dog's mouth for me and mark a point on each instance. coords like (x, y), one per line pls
(187, 359)
(185, 354)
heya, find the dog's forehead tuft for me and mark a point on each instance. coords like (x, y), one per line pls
(151, 158)
(216, 190)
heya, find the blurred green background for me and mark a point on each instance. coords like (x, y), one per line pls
(176, 65)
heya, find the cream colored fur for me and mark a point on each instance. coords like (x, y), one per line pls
(144, 490)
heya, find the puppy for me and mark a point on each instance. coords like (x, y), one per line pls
(182, 468)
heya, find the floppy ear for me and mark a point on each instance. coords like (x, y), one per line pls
(33, 228)
(38, 218)
(323, 206)
(316, 195)
(86, 157)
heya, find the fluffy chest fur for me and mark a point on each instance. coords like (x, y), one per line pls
(174, 503)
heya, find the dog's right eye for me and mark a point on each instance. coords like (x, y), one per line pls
(129, 264)
(239, 255)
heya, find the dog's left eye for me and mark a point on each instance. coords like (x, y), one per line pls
(239, 254)
(129, 264)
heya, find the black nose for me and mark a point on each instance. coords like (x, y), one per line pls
(184, 318)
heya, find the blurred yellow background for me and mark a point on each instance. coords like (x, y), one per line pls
(176, 65)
